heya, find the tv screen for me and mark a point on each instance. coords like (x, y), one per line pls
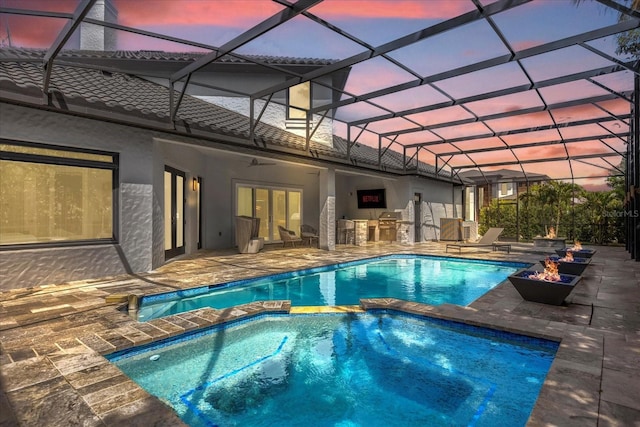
(371, 199)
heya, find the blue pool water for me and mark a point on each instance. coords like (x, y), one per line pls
(374, 369)
(425, 279)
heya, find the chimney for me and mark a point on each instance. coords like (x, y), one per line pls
(97, 37)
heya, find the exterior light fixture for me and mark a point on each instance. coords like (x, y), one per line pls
(195, 184)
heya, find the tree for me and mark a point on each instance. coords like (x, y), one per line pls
(596, 210)
(628, 42)
(554, 200)
(503, 216)
(595, 217)
(616, 181)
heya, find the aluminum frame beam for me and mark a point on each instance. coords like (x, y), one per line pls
(501, 92)
(500, 60)
(466, 18)
(63, 36)
(279, 18)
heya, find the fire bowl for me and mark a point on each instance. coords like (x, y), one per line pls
(582, 253)
(543, 291)
(575, 267)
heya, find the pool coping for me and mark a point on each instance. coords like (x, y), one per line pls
(553, 403)
(198, 290)
(137, 301)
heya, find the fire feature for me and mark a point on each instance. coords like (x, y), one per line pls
(551, 240)
(551, 234)
(550, 273)
(576, 246)
(568, 257)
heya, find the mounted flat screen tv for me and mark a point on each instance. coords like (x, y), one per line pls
(372, 199)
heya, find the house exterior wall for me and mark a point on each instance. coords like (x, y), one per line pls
(143, 155)
(21, 268)
(275, 115)
(437, 202)
(139, 229)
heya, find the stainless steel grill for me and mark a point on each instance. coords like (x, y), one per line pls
(388, 225)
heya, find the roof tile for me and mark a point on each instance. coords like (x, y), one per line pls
(117, 91)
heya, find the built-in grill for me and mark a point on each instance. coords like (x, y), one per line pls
(388, 225)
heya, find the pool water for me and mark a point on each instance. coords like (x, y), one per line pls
(373, 369)
(426, 279)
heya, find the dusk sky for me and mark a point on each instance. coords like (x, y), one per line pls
(377, 22)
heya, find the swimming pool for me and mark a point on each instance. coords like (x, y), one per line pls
(426, 279)
(374, 369)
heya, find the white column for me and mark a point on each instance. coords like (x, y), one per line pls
(327, 191)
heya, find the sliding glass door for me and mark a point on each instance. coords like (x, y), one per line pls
(273, 205)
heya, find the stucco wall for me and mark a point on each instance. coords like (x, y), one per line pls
(436, 202)
(275, 115)
(21, 268)
(142, 157)
(33, 267)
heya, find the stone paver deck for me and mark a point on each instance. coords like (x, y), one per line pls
(53, 338)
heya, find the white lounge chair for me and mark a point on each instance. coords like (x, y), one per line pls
(490, 239)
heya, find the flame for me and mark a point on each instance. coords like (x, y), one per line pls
(550, 272)
(568, 257)
(551, 234)
(576, 246)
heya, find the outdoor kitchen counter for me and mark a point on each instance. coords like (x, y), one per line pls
(361, 234)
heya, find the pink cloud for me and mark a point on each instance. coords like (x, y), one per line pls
(545, 152)
(407, 9)
(376, 73)
(441, 115)
(31, 31)
(239, 13)
(526, 44)
(521, 121)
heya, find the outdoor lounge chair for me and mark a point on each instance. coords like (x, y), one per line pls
(309, 234)
(288, 236)
(490, 239)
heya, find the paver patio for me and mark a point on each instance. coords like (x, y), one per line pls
(53, 337)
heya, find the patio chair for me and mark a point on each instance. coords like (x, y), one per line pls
(309, 234)
(490, 239)
(288, 236)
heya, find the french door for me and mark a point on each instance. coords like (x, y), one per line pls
(174, 221)
(273, 205)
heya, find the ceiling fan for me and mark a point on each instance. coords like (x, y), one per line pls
(256, 162)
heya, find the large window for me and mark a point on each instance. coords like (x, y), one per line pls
(51, 195)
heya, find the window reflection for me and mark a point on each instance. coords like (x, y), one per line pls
(54, 202)
(299, 100)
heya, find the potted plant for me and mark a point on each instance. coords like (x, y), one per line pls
(547, 287)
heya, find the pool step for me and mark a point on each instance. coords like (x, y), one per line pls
(326, 309)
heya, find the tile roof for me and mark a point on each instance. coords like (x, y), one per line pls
(502, 175)
(156, 55)
(131, 99)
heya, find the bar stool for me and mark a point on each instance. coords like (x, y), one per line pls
(346, 231)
